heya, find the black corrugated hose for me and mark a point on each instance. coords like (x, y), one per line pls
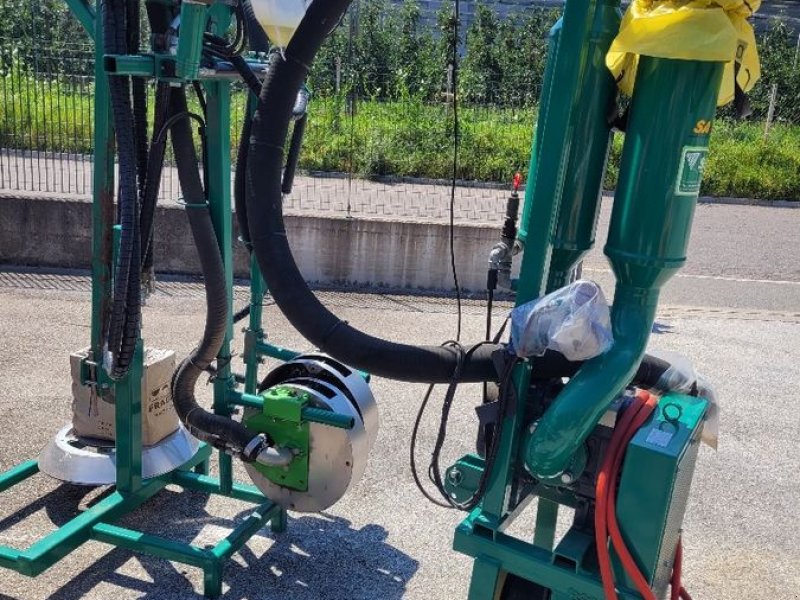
(124, 322)
(268, 235)
(428, 364)
(217, 430)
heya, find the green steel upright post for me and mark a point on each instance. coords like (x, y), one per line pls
(102, 198)
(536, 142)
(219, 197)
(252, 359)
(257, 290)
(128, 424)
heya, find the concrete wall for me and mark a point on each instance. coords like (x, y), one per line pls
(57, 233)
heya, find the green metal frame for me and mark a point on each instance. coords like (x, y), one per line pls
(131, 491)
(650, 225)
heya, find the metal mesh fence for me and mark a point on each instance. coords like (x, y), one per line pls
(374, 148)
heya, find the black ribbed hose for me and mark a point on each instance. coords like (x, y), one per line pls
(133, 31)
(429, 364)
(217, 430)
(123, 327)
(268, 234)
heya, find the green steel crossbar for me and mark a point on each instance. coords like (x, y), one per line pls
(246, 529)
(131, 490)
(9, 557)
(308, 413)
(273, 351)
(499, 553)
(210, 485)
(19, 473)
(152, 544)
(94, 523)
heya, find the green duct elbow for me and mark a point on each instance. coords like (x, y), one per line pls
(553, 449)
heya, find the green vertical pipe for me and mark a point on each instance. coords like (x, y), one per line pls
(673, 104)
(547, 86)
(219, 198)
(586, 162)
(554, 133)
(667, 139)
(546, 522)
(190, 40)
(257, 290)
(128, 424)
(495, 500)
(102, 198)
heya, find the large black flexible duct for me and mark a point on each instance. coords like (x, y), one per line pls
(220, 431)
(268, 235)
(429, 364)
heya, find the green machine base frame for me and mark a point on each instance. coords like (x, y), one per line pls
(97, 523)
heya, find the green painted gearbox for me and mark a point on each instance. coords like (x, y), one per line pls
(281, 419)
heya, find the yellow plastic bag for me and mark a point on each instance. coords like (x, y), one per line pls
(707, 30)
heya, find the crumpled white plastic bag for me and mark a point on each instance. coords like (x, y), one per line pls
(574, 321)
(682, 378)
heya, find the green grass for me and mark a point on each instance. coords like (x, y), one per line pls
(410, 138)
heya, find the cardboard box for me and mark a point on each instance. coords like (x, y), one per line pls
(93, 416)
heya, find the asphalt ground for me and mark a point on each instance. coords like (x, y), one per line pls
(384, 540)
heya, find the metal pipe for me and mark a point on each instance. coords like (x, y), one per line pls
(190, 41)
(569, 55)
(586, 163)
(666, 144)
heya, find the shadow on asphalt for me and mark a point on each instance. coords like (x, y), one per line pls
(318, 556)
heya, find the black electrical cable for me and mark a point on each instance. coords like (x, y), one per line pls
(239, 40)
(257, 41)
(454, 65)
(155, 166)
(201, 98)
(184, 114)
(434, 467)
(242, 313)
(241, 66)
